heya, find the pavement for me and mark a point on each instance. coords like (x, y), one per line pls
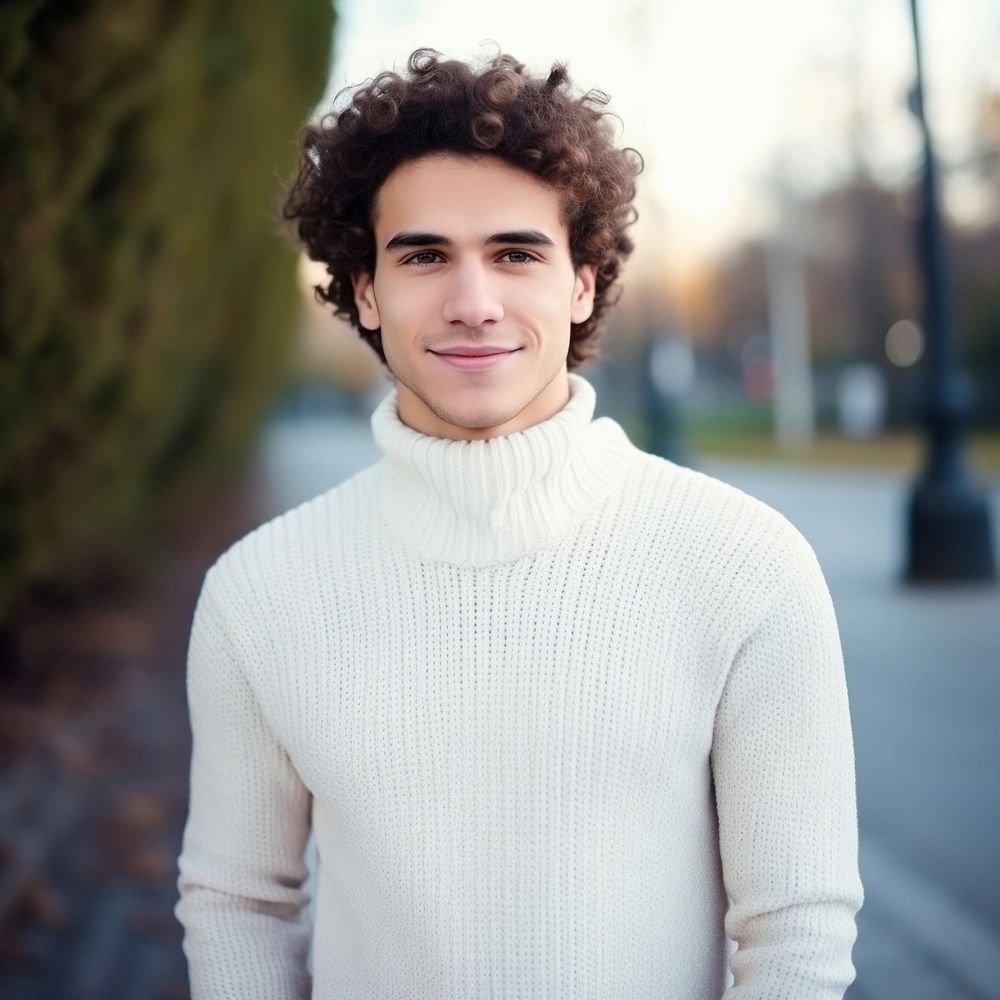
(923, 674)
(94, 756)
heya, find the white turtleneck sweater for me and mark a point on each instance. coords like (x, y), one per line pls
(568, 721)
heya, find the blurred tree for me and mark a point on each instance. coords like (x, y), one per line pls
(863, 280)
(987, 144)
(849, 317)
(148, 302)
(978, 268)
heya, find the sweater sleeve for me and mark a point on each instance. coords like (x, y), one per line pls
(783, 768)
(241, 868)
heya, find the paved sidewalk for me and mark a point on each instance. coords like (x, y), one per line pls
(923, 673)
(94, 752)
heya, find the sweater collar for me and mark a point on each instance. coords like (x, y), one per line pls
(480, 502)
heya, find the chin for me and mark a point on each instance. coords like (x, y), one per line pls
(479, 417)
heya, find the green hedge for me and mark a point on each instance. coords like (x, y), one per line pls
(148, 301)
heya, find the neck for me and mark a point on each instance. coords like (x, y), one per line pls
(415, 413)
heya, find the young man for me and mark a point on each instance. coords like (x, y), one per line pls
(567, 720)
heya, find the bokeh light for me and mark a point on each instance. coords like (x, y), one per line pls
(904, 343)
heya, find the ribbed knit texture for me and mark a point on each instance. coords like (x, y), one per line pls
(569, 721)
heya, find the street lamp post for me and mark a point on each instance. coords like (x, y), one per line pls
(949, 535)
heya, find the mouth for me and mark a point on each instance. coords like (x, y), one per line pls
(475, 362)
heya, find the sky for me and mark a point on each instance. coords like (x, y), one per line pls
(726, 100)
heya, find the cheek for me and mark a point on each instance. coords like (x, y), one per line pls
(398, 291)
(552, 303)
(407, 308)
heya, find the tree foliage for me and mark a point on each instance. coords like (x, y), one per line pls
(148, 300)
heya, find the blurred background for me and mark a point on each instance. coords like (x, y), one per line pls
(812, 313)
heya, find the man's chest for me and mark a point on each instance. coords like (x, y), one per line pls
(536, 680)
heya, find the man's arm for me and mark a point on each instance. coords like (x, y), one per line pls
(241, 866)
(783, 766)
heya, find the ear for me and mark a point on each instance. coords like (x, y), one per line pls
(364, 298)
(583, 293)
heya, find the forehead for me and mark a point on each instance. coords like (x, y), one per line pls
(454, 194)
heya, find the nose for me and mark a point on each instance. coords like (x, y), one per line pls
(471, 299)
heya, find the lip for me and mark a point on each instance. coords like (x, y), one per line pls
(475, 362)
(469, 350)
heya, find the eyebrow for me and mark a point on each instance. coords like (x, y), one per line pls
(526, 237)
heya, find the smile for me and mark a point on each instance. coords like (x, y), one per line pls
(467, 362)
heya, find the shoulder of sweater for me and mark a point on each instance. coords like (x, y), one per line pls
(706, 503)
(731, 540)
(276, 547)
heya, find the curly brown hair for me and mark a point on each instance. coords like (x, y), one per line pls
(447, 106)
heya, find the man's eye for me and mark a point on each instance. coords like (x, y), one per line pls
(518, 257)
(423, 257)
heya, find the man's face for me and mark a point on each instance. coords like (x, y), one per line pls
(472, 252)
